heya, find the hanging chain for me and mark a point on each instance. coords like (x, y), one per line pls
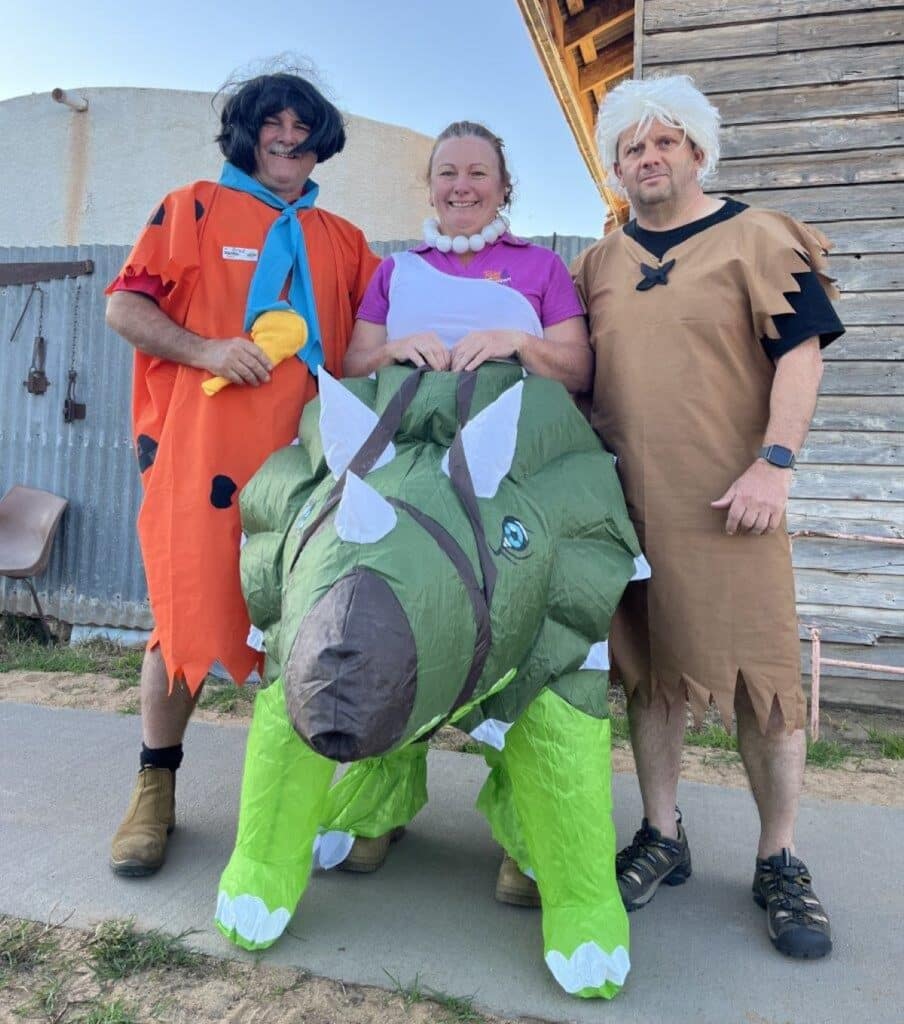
(73, 410)
(78, 292)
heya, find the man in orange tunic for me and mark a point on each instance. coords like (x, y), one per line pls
(706, 319)
(213, 258)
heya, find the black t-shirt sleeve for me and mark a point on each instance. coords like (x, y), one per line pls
(814, 316)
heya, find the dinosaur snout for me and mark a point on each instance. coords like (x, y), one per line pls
(351, 676)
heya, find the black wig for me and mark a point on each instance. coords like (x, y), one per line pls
(251, 103)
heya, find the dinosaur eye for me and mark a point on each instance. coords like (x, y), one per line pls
(514, 536)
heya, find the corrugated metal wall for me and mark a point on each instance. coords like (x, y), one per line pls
(95, 574)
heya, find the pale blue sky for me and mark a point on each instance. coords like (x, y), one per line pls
(419, 63)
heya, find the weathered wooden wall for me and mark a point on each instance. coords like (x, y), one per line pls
(812, 98)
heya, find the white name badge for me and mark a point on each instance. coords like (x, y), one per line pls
(233, 252)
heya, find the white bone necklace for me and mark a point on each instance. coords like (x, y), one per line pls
(464, 243)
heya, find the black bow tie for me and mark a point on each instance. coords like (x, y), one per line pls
(654, 275)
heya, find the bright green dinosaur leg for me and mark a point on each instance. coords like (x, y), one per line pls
(559, 763)
(372, 797)
(284, 790)
(496, 802)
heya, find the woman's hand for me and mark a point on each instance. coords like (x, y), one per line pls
(425, 349)
(478, 347)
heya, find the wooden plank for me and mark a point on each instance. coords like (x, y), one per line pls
(850, 556)
(873, 518)
(857, 167)
(832, 202)
(864, 236)
(795, 35)
(867, 343)
(662, 15)
(854, 483)
(842, 412)
(871, 273)
(845, 64)
(881, 131)
(798, 103)
(860, 448)
(712, 43)
(639, 8)
(871, 308)
(862, 378)
(615, 60)
(817, 586)
(850, 625)
(602, 18)
(865, 28)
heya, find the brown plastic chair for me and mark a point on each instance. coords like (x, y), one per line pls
(28, 523)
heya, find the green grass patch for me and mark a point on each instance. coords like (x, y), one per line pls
(827, 753)
(224, 696)
(409, 994)
(115, 1012)
(891, 744)
(118, 949)
(713, 736)
(45, 1001)
(97, 657)
(458, 1009)
(619, 728)
(24, 945)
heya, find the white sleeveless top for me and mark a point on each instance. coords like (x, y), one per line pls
(422, 298)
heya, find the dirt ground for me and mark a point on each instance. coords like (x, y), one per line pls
(60, 983)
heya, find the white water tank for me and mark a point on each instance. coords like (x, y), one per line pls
(93, 176)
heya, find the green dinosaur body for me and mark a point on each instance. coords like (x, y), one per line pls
(425, 594)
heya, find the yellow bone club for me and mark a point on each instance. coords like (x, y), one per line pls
(280, 333)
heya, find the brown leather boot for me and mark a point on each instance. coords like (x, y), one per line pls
(514, 887)
(139, 846)
(367, 855)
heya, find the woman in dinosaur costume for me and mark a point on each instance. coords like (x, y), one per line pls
(470, 578)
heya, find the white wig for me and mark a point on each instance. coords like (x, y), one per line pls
(675, 101)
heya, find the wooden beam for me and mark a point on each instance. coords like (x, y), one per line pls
(31, 273)
(613, 61)
(602, 16)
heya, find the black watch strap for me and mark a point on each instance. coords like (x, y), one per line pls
(778, 455)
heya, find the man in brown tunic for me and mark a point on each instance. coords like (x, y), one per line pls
(707, 318)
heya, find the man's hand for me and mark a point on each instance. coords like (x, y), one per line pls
(239, 360)
(756, 500)
(424, 349)
(478, 347)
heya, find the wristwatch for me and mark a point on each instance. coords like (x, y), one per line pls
(778, 455)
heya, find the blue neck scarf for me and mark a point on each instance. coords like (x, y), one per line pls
(284, 252)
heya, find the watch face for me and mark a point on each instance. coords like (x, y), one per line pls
(779, 456)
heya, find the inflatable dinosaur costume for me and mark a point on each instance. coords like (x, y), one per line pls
(469, 579)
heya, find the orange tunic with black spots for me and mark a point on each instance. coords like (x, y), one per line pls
(195, 453)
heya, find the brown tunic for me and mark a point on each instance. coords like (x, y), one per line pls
(681, 397)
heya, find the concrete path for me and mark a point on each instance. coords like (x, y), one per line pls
(700, 952)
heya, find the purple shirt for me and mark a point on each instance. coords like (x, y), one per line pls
(537, 273)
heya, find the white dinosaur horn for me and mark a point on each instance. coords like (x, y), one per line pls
(364, 516)
(489, 441)
(345, 424)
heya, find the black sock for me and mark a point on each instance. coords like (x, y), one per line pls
(161, 757)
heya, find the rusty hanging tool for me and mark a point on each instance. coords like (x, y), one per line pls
(36, 383)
